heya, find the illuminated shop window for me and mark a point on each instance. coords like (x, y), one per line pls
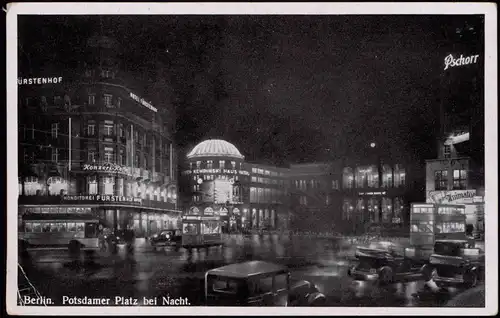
(459, 179)
(373, 210)
(348, 178)
(386, 210)
(92, 184)
(441, 179)
(360, 209)
(366, 177)
(398, 210)
(109, 184)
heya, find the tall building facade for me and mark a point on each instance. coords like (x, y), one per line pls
(456, 176)
(92, 143)
(217, 180)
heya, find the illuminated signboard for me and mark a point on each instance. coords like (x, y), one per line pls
(223, 211)
(39, 80)
(208, 211)
(216, 171)
(102, 198)
(451, 197)
(223, 191)
(143, 102)
(450, 61)
(372, 193)
(106, 167)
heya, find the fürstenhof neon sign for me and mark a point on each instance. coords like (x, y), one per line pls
(143, 102)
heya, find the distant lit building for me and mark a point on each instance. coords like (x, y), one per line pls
(217, 180)
(92, 143)
(357, 195)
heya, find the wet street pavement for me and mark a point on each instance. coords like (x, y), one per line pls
(162, 272)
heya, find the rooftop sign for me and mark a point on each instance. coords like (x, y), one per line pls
(143, 102)
(450, 61)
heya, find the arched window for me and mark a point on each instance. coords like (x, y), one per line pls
(347, 178)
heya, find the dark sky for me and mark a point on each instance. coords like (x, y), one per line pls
(283, 88)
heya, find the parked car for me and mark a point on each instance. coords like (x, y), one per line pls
(167, 238)
(258, 283)
(385, 263)
(455, 263)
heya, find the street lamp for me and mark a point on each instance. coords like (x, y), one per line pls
(372, 145)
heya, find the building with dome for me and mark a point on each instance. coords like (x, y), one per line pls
(216, 179)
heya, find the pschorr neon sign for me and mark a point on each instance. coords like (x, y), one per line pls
(449, 61)
(143, 102)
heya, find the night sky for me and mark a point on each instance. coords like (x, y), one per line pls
(283, 89)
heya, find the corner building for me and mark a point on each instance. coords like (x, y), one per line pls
(94, 144)
(217, 180)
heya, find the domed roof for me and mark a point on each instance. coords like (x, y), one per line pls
(215, 148)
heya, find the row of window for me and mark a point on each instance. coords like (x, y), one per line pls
(451, 211)
(107, 99)
(35, 227)
(391, 210)
(266, 195)
(209, 164)
(368, 177)
(267, 172)
(441, 227)
(313, 184)
(441, 179)
(268, 181)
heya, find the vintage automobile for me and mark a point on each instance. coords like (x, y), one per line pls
(455, 263)
(258, 283)
(384, 263)
(171, 238)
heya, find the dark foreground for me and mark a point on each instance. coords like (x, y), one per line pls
(163, 272)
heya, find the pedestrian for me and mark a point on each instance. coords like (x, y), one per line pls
(102, 240)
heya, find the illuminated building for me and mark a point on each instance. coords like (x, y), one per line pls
(456, 176)
(371, 193)
(245, 195)
(93, 143)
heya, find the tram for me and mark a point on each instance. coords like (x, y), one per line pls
(201, 229)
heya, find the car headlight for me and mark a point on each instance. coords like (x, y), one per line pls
(117, 237)
(155, 236)
(168, 237)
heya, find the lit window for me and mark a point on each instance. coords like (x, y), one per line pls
(222, 164)
(119, 102)
(459, 179)
(91, 155)
(198, 164)
(108, 100)
(108, 154)
(54, 130)
(108, 128)
(91, 99)
(210, 164)
(55, 154)
(233, 164)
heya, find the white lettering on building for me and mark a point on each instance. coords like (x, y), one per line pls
(39, 80)
(143, 102)
(449, 61)
(451, 197)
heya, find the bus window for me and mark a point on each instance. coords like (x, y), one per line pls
(62, 227)
(54, 227)
(90, 230)
(71, 227)
(79, 227)
(189, 228)
(37, 227)
(46, 227)
(28, 227)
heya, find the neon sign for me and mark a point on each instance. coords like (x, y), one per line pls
(143, 102)
(449, 61)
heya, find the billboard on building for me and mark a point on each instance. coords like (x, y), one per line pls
(207, 191)
(451, 197)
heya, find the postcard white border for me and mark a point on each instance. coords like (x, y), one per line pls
(491, 151)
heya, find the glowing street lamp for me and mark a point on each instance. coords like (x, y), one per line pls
(372, 145)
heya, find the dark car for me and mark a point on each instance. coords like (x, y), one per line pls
(385, 263)
(455, 263)
(167, 238)
(258, 283)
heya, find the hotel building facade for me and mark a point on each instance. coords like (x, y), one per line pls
(92, 143)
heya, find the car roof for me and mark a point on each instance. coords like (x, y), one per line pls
(247, 269)
(452, 241)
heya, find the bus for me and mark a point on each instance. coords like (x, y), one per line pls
(201, 231)
(74, 232)
(430, 222)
